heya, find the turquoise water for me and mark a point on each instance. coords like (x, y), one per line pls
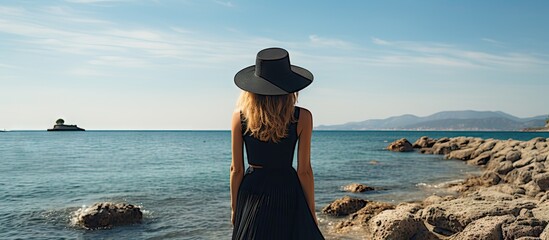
(180, 178)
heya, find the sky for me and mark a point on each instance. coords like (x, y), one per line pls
(167, 64)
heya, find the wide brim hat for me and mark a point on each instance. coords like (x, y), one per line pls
(273, 74)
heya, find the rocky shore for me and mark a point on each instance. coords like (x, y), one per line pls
(509, 200)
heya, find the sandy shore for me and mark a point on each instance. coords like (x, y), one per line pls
(509, 200)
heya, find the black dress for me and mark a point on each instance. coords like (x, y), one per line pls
(271, 203)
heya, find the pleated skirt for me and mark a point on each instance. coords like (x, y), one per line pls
(271, 205)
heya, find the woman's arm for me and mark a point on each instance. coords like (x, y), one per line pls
(237, 164)
(304, 169)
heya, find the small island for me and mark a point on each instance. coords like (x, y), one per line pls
(60, 126)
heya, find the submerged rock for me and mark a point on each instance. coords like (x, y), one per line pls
(107, 215)
(357, 188)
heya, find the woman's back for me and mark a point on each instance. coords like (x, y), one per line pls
(269, 154)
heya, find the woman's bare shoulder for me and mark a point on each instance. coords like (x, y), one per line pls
(305, 113)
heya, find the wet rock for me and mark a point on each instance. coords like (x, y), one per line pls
(344, 206)
(401, 145)
(107, 215)
(487, 228)
(357, 188)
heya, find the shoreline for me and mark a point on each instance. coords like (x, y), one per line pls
(509, 200)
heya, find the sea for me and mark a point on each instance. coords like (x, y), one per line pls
(180, 179)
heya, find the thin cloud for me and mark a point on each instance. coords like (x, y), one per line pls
(94, 1)
(449, 55)
(329, 42)
(491, 41)
(224, 3)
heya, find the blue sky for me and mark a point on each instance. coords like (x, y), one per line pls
(116, 64)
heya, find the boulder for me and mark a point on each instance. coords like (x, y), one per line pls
(513, 156)
(481, 159)
(362, 216)
(445, 148)
(107, 215)
(542, 180)
(401, 145)
(525, 225)
(523, 162)
(518, 176)
(486, 228)
(462, 154)
(486, 146)
(424, 142)
(357, 188)
(344, 206)
(399, 223)
(455, 215)
(504, 167)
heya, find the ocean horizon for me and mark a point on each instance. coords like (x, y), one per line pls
(180, 178)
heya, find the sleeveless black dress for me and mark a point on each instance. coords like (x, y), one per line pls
(271, 203)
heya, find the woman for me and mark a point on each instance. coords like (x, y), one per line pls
(271, 200)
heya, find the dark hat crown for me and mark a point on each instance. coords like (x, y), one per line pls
(271, 63)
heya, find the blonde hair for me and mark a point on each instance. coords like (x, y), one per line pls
(267, 117)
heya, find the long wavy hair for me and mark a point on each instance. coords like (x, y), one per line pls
(267, 117)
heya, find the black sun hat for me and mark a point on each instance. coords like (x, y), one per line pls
(272, 74)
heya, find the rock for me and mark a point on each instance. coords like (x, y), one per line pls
(542, 180)
(504, 167)
(399, 223)
(108, 214)
(424, 142)
(532, 189)
(426, 150)
(443, 140)
(523, 226)
(357, 188)
(484, 147)
(487, 228)
(455, 215)
(508, 189)
(401, 145)
(541, 211)
(362, 216)
(513, 156)
(444, 148)
(344, 206)
(523, 162)
(545, 234)
(518, 177)
(481, 159)
(462, 154)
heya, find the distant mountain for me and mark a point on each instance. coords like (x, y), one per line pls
(448, 120)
